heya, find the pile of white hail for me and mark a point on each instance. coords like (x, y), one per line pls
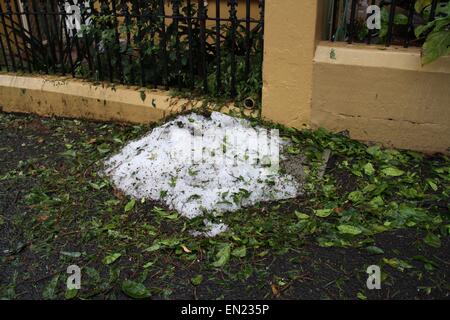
(197, 165)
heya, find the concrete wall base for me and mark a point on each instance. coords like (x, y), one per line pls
(382, 95)
(74, 98)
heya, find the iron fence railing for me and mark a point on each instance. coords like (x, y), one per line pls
(398, 20)
(175, 43)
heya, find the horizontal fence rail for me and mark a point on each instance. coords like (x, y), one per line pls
(151, 43)
(397, 20)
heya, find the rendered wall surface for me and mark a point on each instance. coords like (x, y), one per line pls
(290, 42)
(74, 98)
(378, 94)
(56, 96)
(384, 96)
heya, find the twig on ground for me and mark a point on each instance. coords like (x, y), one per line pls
(325, 157)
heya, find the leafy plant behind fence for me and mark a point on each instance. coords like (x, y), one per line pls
(150, 43)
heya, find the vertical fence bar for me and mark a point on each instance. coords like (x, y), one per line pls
(45, 56)
(391, 23)
(22, 31)
(58, 34)
(74, 36)
(410, 23)
(65, 31)
(163, 43)
(218, 51)
(53, 35)
(176, 19)
(5, 58)
(351, 35)
(87, 47)
(233, 18)
(104, 11)
(49, 43)
(1, 43)
(202, 15)
(117, 50)
(26, 11)
(334, 20)
(2, 47)
(247, 39)
(99, 72)
(153, 22)
(16, 42)
(262, 11)
(433, 10)
(136, 12)
(119, 65)
(8, 40)
(190, 43)
(129, 50)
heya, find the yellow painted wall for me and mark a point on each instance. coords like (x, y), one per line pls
(57, 96)
(384, 96)
(290, 42)
(74, 98)
(378, 94)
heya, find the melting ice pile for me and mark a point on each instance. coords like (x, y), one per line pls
(197, 164)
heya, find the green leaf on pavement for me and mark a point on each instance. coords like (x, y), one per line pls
(135, 290)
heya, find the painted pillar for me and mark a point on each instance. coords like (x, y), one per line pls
(291, 29)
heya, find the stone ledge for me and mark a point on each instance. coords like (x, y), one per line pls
(377, 56)
(74, 98)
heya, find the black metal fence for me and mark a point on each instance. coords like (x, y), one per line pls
(175, 43)
(398, 20)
